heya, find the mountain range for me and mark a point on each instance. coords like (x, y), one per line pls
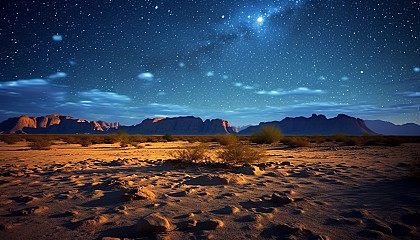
(316, 124)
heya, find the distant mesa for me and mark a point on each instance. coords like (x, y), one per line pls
(54, 124)
(316, 124)
(60, 124)
(181, 126)
(388, 128)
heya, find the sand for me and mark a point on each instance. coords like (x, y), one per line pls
(325, 191)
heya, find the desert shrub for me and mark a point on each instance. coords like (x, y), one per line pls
(40, 143)
(339, 137)
(168, 137)
(227, 139)
(191, 154)
(267, 134)
(317, 138)
(85, 141)
(353, 141)
(297, 141)
(11, 138)
(123, 138)
(240, 153)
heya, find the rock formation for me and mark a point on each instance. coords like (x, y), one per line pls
(316, 124)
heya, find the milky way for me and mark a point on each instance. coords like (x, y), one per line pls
(241, 60)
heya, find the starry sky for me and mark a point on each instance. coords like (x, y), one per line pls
(241, 60)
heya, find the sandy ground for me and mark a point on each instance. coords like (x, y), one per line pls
(104, 191)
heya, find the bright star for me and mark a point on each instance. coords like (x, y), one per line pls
(260, 19)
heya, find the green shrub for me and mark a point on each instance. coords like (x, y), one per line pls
(267, 134)
(191, 154)
(297, 141)
(240, 153)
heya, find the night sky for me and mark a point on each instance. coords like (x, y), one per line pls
(241, 60)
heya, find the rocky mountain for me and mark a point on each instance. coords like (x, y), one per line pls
(54, 124)
(59, 124)
(388, 128)
(316, 124)
(181, 126)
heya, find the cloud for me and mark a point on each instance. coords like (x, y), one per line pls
(10, 85)
(297, 91)
(410, 94)
(146, 76)
(58, 75)
(210, 74)
(57, 37)
(98, 97)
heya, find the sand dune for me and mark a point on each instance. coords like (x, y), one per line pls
(106, 192)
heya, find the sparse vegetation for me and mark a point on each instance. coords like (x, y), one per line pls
(296, 141)
(11, 138)
(240, 153)
(40, 142)
(191, 154)
(168, 137)
(226, 139)
(267, 134)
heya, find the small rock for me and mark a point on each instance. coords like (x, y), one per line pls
(250, 218)
(249, 170)
(93, 221)
(227, 210)
(153, 223)
(110, 238)
(282, 199)
(140, 193)
(207, 180)
(186, 225)
(355, 214)
(211, 224)
(373, 224)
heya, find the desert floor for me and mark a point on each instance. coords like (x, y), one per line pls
(337, 192)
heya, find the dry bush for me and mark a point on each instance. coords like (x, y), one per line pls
(353, 141)
(227, 139)
(267, 134)
(191, 154)
(297, 141)
(240, 153)
(11, 138)
(339, 137)
(40, 143)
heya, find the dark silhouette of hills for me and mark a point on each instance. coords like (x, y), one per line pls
(388, 128)
(316, 124)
